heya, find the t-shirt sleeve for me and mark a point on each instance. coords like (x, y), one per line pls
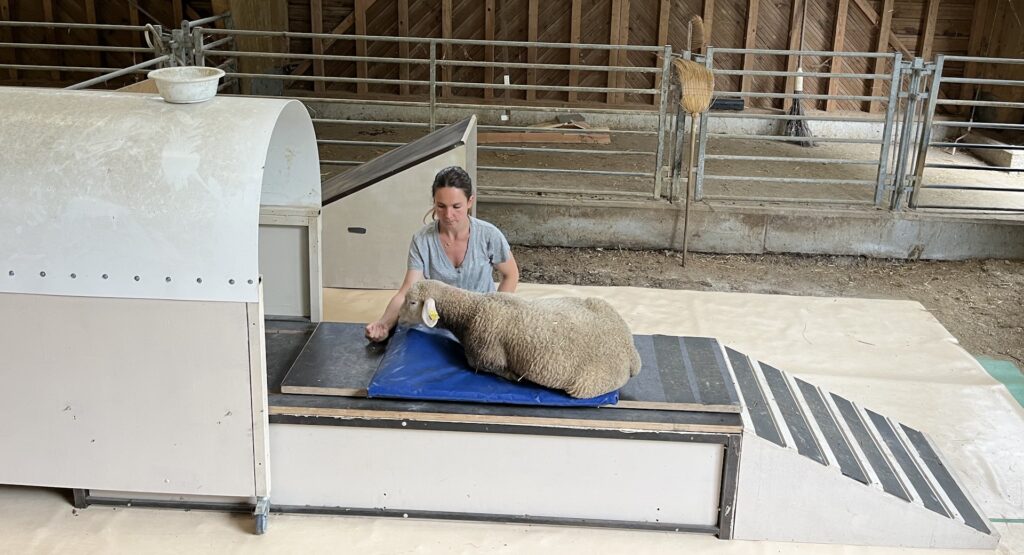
(498, 249)
(417, 258)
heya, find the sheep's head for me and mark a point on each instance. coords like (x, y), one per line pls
(420, 306)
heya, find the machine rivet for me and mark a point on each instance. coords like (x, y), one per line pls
(11, 273)
(199, 280)
(137, 278)
(73, 276)
(42, 274)
(105, 276)
(250, 282)
(167, 279)
(231, 281)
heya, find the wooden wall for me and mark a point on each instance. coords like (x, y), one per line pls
(925, 27)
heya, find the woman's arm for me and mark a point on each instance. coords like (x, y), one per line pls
(379, 330)
(509, 271)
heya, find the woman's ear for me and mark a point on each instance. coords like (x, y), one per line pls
(429, 313)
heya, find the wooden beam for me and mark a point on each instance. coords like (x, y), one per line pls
(750, 41)
(613, 39)
(339, 29)
(532, 15)
(881, 46)
(179, 13)
(926, 38)
(51, 37)
(873, 17)
(446, 33)
(981, 9)
(795, 22)
(10, 54)
(316, 23)
(708, 16)
(94, 38)
(663, 21)
(620, 80)
(403, 47)
(575, 31)
(359, 13)
(838, 42)
(489, 48)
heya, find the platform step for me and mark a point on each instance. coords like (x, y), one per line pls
(866, 448)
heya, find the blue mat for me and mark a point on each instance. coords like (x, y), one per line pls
(432, 366)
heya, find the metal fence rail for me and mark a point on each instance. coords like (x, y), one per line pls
(915, 164)
(999, 189)
(435, 66)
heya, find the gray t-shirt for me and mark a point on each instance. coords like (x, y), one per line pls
(487, 247)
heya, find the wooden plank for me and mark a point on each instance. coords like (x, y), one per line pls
(403, 47)
(981, 9)
(750, 41)
(489, 49)
(927, 36)
(544, 137)
(179, 13)
(664, 13)
(51, 37)
(359, 13)
(795, 21)
(339, 29)
(620, 78)
(94, 38)
(531, 53)
(838, 40)
(873, 16)
(575, 31)
(316, 21)
(446, 32)
(881, 46)
(613, 39)
(10, 54)
(708, 16)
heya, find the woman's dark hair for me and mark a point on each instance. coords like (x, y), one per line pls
(452, 176)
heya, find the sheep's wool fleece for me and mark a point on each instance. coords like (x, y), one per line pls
(579, 345)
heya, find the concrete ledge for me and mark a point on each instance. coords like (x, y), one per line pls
(998, 157)
(722, 228)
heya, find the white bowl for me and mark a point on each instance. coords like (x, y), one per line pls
(186, 84)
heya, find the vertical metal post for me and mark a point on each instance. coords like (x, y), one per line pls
(197, 46)
(890, 116)
(698, 191)
(926, 132)
(905, 132)
(433, 84)
(659, 173)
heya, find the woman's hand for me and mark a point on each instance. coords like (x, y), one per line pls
(377, 331)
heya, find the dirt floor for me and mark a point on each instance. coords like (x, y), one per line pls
(981, 302)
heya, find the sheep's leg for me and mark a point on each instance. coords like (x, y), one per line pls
(491, 364)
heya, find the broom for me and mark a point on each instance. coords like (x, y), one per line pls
(799, 127)
(696, 83)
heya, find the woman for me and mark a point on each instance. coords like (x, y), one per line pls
(456, 248)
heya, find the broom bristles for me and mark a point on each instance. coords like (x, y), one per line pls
(697, 83)
(798, 127)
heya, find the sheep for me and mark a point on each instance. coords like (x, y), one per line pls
(579, 345)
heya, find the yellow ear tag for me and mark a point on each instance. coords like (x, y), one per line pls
(429, 313)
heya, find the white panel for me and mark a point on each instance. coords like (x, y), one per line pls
(390, 211)
(284, 264)
(125, 394)
(495, 473)
(161, 199)
(783, 496)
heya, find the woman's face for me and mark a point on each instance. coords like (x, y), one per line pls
(451, 207)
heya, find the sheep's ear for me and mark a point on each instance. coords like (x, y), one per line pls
(429, 313)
